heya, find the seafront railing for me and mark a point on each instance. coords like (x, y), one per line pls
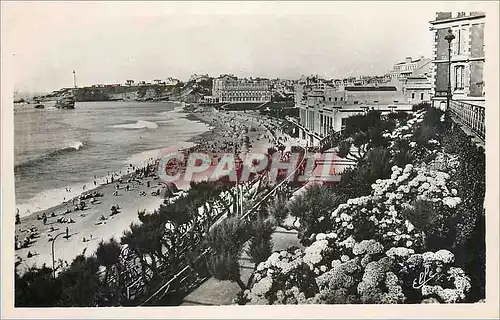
(469, 115)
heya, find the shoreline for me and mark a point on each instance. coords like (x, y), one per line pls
(84, 223)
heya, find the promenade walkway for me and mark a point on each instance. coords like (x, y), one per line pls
(214, 292)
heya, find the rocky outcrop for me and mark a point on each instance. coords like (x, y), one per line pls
(191, 92)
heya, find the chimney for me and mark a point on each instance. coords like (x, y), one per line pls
(443, 15)
(408, 59)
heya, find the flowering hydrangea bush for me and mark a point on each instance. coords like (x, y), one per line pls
(283, 278)
(369, 275)
(438, 281)
(405, 131)
(379, 215)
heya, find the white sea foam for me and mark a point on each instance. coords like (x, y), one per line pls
(140, 124)
(75, 145)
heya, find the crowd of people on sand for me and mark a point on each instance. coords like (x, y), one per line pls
(232, 131)
(26, 238)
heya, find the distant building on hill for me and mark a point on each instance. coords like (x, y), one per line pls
(171, 81)
(230, 89)
(404, 69)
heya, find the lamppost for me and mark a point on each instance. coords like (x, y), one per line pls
(449, 37)
(53, 260)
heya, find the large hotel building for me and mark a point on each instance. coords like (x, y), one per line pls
(230, 89)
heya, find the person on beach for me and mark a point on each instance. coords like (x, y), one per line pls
(67, 232)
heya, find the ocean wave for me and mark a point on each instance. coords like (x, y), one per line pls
(66, 148)
(140, 124)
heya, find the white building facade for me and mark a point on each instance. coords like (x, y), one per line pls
(230, 89)
(322, 111)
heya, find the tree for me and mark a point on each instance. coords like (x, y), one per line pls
(357, 181)
(134, 239)
(261, 246)
(364, 132)
(37, 288)
(108, 255)
(226, 241)
(80, 283)
(313, 209)
(277, 208)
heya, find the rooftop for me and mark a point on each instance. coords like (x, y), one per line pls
(371, 88)
(442, 17)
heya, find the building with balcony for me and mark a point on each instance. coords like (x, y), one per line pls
(467, 57)
(230, 89)
(467, 67)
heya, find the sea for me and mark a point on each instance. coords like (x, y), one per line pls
(58, 153)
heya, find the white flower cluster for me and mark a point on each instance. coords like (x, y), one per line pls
(283, 262)
(442, 255)
(399, 252)
(319, 251)
(415, 182)
(445, 162)
(438, 263)
(405, 132)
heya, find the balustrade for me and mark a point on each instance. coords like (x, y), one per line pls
(471, 116)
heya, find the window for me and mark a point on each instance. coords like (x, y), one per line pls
(396, 101)
(344, 122)
(335, 99)
(413, 95)
(459, 77)
(329, 98)
(422, 96)
(375, 101)
(355, 102)
(341, 98)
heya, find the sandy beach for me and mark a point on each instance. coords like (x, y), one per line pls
(86, 223)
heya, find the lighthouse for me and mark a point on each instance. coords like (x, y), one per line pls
(74, 78)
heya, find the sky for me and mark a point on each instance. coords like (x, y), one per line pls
(109, 42)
